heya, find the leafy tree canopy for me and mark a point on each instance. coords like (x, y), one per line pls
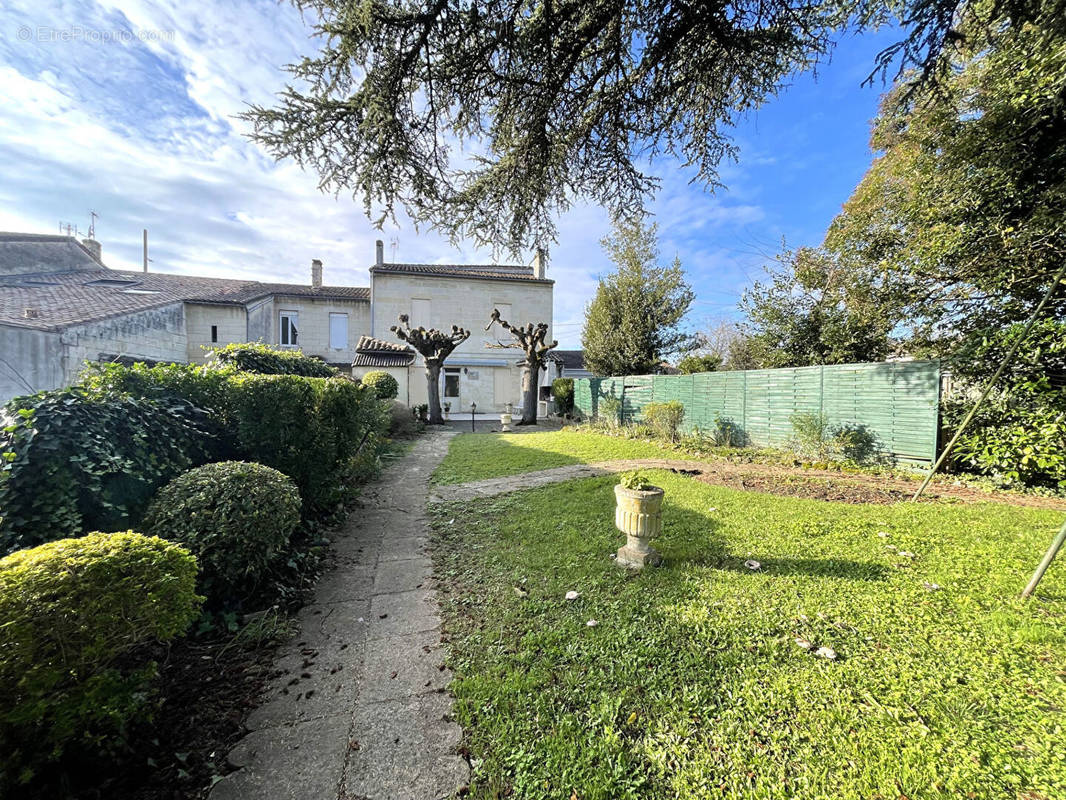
(707, 362)
(486, 119)
(964, 209)
(816, 310)
(634, 320)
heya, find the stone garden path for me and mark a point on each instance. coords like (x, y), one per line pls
(358, 710)
(542, 477)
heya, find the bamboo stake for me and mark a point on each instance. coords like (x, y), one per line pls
(1049, 556)
(992, 382)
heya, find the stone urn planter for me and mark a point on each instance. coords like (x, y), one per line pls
(638, 514)
(505, 422)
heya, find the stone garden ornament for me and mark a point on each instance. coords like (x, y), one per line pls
(638, 514)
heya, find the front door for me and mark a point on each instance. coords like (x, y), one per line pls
(450, 393)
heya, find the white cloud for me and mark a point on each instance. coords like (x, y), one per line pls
(143, 130)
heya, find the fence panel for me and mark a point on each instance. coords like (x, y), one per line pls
(898, 401)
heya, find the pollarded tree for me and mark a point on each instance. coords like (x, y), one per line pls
(531, 341)
(434, 346)
(562, 99)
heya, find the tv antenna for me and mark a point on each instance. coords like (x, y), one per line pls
(93, 216)
(394, 243)
(69, 228)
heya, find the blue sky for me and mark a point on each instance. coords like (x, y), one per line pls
(127, 107)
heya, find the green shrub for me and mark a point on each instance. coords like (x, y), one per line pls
(610, 411)
(383, 384)
(1016, 446)
(235, 517)
(727, 433)
(403, 424)
(563, 392)
(665, 418)
(267, 360)
(815, 439)
(75, 461)
(324, 434)
(1018, 437)
(73, 610)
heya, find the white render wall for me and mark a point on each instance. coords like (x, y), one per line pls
(231, 321)
(313, 325)
(468, 303)
(157, 334)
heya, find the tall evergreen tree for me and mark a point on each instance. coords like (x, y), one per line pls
(634, 320)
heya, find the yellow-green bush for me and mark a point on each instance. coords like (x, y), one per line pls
(384, 385)
(72, 612)
(235, 517)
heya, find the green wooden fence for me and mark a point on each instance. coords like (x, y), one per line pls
(898, 401)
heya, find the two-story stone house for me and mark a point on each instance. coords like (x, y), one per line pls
(60, 306)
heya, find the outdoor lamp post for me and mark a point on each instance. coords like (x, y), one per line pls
(473, 408)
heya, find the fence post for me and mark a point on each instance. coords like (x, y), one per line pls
(744, 402)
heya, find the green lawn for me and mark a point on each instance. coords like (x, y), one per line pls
(472, 457)
(692, 684)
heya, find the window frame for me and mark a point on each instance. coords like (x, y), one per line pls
(293, 318)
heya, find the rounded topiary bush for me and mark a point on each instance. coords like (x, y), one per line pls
(234, 516)
(383, 384)
(72, 610)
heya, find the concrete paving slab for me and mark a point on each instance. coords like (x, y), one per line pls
(403, 666)
(402, 576)
(301, 762)
(402, 613)
(406, 751)
(401, 549)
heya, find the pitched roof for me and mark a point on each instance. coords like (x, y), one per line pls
(371, 352)
(39, 254)
(571, 359)
(59, 300)
(494, 272)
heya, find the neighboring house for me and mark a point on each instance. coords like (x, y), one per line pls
(60, 306)
(572, 364)
(442, 295)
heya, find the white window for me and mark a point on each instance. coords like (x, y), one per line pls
(420, 314)
(288, 333)
(338, 331)
(451, 383)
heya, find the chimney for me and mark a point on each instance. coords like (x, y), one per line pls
(316, 273)
(540, 264)
(380, 256)
(93, 247)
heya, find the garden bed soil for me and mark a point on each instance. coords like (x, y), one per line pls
(206, 689)
(854, 487)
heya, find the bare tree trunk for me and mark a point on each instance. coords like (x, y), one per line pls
(433, 392)
(529, 395)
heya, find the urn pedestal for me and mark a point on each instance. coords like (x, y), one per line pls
(505, 422)
(638, 514)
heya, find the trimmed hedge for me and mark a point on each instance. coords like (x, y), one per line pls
(75, 461)
(267, 360)
(235, 517)
(382, 383)
(71, 609)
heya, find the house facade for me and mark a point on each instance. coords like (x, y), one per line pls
(60, 306)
